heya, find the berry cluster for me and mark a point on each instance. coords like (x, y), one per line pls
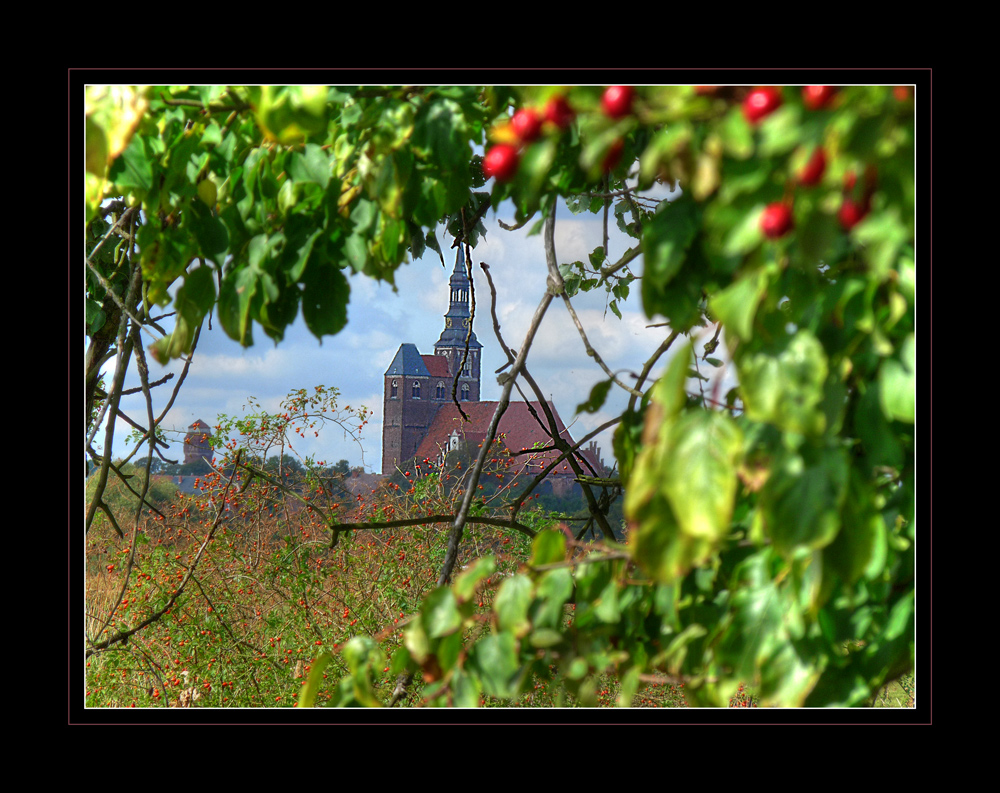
(776, 220)
(529, 124)
(743, 699)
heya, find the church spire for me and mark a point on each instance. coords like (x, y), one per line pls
(458, 342)
(458, 320)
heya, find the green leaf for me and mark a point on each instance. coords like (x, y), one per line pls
(416, 641)
(164, 258)
(468, 581)
(663, 147)
(511, 605)
(363, 656)
(897, 380)
(675, 653)
(783, 385)
(289, 114)
(861, 536)
(494, 660)
(239, 287)
(465, 690)
(300, 245)
(737, 135)
(665, 242)
(311, 165)
(547, 547)
(133, 170)
(803, 497)
(209, 231)
(605, 606)
(307, 696)
(440, 131)
(439, 613)
(699, 472)
(883, 236)
(544, 638)
(892, 653)
(598, 395)
(324, 298)
(552, 591)
(744, 236)
(193, 300)
(736, 305)
(779, 132)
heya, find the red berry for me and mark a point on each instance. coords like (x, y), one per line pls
(776, 220)
(559, 112)
(501, 161)
(617, 100)
(527, 125)
(817, 96)
(761, 102)
(813, 170)
(614, 155)
(851, 213)
(901, 92)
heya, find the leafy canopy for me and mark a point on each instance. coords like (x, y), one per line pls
(771, 529)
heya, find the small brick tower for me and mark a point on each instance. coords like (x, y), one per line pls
(196, 443)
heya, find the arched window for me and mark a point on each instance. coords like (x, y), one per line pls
(394, 390)
(440, 390)
(465, 392)
(416, 389)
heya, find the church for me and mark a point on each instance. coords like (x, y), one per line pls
(422, 423)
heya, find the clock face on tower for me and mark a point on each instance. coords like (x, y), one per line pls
(447, 322)
(465, 322)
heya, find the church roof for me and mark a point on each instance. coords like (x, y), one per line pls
(437, 365)
(408, 362)
(518, 431)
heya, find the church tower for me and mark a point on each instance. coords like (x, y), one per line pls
(416, 385)
(409, 405)
(457, 332)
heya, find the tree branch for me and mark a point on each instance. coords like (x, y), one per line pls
(506, 380)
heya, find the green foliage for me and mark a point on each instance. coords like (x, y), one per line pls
(309, 181)
(771, 540)
(121, 497)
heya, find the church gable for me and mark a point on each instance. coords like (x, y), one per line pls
(436, 365)
(408, 362)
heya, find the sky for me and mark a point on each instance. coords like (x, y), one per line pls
(223, 374)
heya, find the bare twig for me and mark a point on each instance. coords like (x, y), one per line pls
(591, 352)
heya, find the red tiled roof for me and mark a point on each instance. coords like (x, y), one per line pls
(518, 430)
(437, 365)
